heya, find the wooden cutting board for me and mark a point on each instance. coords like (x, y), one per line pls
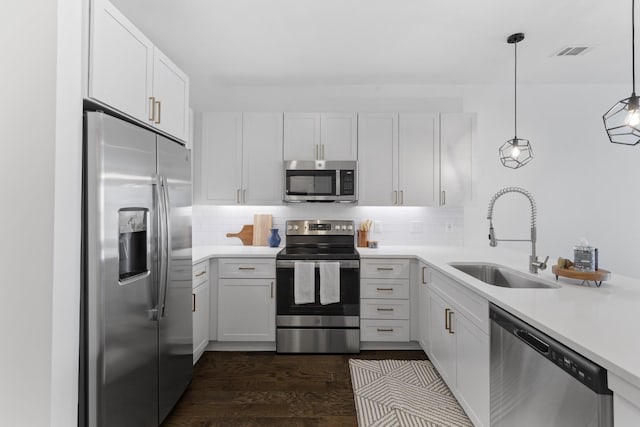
(246, 235)
(261, 229)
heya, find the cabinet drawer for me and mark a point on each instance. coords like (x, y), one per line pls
(246, 268)
(384, 330)
(180, 270)
(200, 273)
(384, 309)
(384, 288)
(384, 268)
(474, 307)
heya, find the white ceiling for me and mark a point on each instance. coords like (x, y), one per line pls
(345, 42)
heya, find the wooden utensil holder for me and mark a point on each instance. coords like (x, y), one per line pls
(363, 239)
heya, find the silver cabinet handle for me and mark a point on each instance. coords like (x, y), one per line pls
(272, 289)
(152, 109)
(159, 112)
(203, 272)
(238, 196)
(385, 268)
(384, 309)
(384, 289)
(193, 302)
(317, 151)
(246, 268)
(395, 197)
(244, 196)
(401, 197)
(447, 320)
(385, 329)
(322, 151)
(444, 197)
(424, 277)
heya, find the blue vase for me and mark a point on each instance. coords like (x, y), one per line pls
(274, 238)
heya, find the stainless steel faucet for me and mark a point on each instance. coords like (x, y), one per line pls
(534, 264)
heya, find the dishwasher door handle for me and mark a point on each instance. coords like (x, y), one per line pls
(533, 341)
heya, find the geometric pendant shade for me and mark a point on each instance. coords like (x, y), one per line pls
(622, 121)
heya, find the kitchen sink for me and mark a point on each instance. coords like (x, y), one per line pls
(498, 275)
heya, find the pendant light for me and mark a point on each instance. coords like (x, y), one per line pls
(516, 152)
(622, 121)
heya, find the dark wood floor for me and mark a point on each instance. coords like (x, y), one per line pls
(267, 389)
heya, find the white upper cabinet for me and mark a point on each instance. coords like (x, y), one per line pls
(241, 160)
(221, 160)
(320, 136)
(339, 136)
(301, 136)
(121, 60)
(456, 138)
(417, 159)
(171, 93)
(128, 73)
(262, 169)
(378, 154)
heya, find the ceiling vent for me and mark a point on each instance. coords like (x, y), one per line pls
(573, 51)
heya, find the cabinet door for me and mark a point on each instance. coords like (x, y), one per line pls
(301, 136)
(417, 159)
(221, 163)
(200, 309)
(456, 137)
(121, 62)
(423, 274)
(171, 93)
(339, 136)
(262, 171)
(442, 342)
(246, 310)
(378, 158)
(473, 371)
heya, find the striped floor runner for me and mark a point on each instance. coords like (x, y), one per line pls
(403, 393)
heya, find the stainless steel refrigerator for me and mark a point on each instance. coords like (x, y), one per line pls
(136, 329)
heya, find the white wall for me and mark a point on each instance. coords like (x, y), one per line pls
(39, 171)
(583, 185)
(27, 115)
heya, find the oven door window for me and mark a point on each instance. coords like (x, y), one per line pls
(311, 183)
(349, 304)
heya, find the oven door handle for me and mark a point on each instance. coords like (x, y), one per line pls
(348, 263)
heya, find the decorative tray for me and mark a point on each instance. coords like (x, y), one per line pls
(597, 276)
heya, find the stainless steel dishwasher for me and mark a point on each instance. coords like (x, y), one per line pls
(537, 381)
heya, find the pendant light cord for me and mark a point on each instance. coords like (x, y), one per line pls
(515, 91)
(633, 44)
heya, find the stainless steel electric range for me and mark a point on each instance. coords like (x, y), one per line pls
(313, 327)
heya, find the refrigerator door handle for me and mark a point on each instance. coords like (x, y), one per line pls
(162, 237)
(159, 214)
(167, 244)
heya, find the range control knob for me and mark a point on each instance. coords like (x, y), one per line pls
(289, 227)
(350, 228)
(295, 228)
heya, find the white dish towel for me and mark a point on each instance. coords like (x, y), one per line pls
(304, 282)
(329, 282)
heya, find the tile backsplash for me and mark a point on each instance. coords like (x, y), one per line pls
(393, 225)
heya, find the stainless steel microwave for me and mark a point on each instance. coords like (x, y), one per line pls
(320, 181)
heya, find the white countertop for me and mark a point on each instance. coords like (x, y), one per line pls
(602, 323)
(200, 253)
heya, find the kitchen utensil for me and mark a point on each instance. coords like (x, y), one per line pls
(246, 235)
(261, 229)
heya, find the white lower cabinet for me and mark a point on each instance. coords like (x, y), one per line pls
(385, 307)
(246, 299)
(200, 304)
(626, 401)
(423, 306)
(459, 344)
